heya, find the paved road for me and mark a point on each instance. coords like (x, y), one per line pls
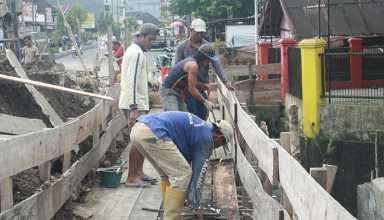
(89, 57)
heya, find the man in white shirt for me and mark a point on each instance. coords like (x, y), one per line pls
(134, 99)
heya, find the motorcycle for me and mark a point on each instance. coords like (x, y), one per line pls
(74, 52)
(163, 65)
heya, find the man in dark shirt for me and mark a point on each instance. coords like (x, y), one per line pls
(189, 48)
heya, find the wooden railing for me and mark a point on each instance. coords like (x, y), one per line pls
(307, 198)
(23, 152)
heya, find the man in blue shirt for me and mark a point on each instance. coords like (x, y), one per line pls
(172, 141)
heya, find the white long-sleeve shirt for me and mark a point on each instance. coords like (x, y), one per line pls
(134, 79)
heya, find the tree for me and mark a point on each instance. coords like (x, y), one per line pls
(213, 9)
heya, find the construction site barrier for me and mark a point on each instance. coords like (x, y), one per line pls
(23, 152)
(307, 198)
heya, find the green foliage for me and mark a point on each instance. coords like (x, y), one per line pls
(213, 9)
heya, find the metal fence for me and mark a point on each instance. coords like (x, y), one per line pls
(373, 63)
(274, 55)
(294, 72)
(338, 87)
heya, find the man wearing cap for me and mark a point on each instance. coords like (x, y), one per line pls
(172, 141)
(189, 48)
(134, 99)
(182, 81)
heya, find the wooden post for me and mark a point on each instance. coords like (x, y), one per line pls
(6, 194)
(110, 56)
(320, 175)
(285, 141)
(294, 138)
(331, 175)
(45, 170)
(379, 157)
(66, 161)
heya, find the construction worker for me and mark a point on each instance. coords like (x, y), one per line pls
(189, 48)
(182, 81)
(30, 52)
(134, 100)
(172, 141)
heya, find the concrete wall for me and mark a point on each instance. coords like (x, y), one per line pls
(353, 122)
(370, 200)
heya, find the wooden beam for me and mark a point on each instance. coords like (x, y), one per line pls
(331, 175)
(246, 70)
(16, 125)
(285, 141)
(55, 87)
(320, 175)
(225, 194)
(6, 194)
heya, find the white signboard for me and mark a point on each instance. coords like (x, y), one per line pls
(239, 35)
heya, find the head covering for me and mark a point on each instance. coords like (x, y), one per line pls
(147, 29)
(225, 128)
(199, 25)
(208, 51)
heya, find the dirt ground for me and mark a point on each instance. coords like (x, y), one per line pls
(16, 100)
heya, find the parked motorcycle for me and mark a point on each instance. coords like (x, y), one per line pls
(163, 65)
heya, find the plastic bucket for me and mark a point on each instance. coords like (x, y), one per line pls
(110, 178)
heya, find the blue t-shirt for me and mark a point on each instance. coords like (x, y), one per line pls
(186, 130)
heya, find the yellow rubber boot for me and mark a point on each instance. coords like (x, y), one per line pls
(174, 203)
(163, 186)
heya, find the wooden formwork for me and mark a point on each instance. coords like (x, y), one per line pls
(307, 198)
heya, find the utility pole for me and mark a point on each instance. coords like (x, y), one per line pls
(15, 29)
(33, 16)
(256, 33)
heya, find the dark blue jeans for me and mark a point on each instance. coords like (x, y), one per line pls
(196, 107)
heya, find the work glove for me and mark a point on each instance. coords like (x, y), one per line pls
(208, 105)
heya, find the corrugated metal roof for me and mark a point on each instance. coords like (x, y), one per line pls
(347, 17)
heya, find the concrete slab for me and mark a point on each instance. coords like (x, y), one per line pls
(124, 203)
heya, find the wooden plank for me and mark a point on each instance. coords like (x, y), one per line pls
(245, 70)
(45, 171)
(285, 141)
(6, 194)
(17, 125)
(33, 149)
(225, 195)
(260, 144)
(44, 205)
(265, 207)
(320, 175)
(303, 191)
(271, 68)
(55, 87)
(331, 175)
